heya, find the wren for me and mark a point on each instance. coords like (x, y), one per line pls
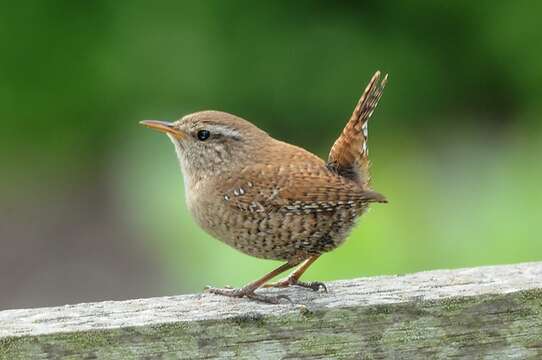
(269, 199)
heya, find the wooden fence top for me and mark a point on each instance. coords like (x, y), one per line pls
(493, 311)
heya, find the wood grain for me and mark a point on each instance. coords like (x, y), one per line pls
(485, 312)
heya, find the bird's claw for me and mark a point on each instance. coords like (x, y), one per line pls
(313, 285)
(250, 294)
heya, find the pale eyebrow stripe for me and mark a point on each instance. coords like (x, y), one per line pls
(226, 131)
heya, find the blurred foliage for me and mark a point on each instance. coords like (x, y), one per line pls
(455, 145)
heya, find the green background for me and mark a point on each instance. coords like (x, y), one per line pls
(92, 205)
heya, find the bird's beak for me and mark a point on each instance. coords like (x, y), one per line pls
(163, 126)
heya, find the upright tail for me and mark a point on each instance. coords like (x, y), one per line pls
(349, 156)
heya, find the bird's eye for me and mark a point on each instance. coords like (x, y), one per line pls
(203, 135)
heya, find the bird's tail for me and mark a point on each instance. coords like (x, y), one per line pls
(349, 155)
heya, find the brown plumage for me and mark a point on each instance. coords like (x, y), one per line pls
(270, 199)
(349, 155)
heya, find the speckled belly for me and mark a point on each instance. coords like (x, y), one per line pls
(277, 235)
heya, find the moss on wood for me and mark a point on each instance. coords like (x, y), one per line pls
(477, 313)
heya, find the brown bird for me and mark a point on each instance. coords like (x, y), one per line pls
(270, 199)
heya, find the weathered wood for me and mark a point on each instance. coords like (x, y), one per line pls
(486, 312)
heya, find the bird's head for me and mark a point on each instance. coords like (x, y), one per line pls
(209, 142)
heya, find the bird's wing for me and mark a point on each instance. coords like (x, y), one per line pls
(349, 155)
(294, 189)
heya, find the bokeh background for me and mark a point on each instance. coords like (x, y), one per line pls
(92, 205)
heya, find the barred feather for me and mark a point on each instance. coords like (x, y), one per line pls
(349, 154)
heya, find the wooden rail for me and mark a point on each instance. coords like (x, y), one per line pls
(486, 312)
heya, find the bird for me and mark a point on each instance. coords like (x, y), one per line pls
(270, 199)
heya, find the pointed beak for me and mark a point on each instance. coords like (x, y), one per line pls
(163, 126)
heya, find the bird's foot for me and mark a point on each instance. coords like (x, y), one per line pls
(289, 281)
(248, 293)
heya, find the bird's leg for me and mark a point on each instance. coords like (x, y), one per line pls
(293, 278)
(248, 290)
